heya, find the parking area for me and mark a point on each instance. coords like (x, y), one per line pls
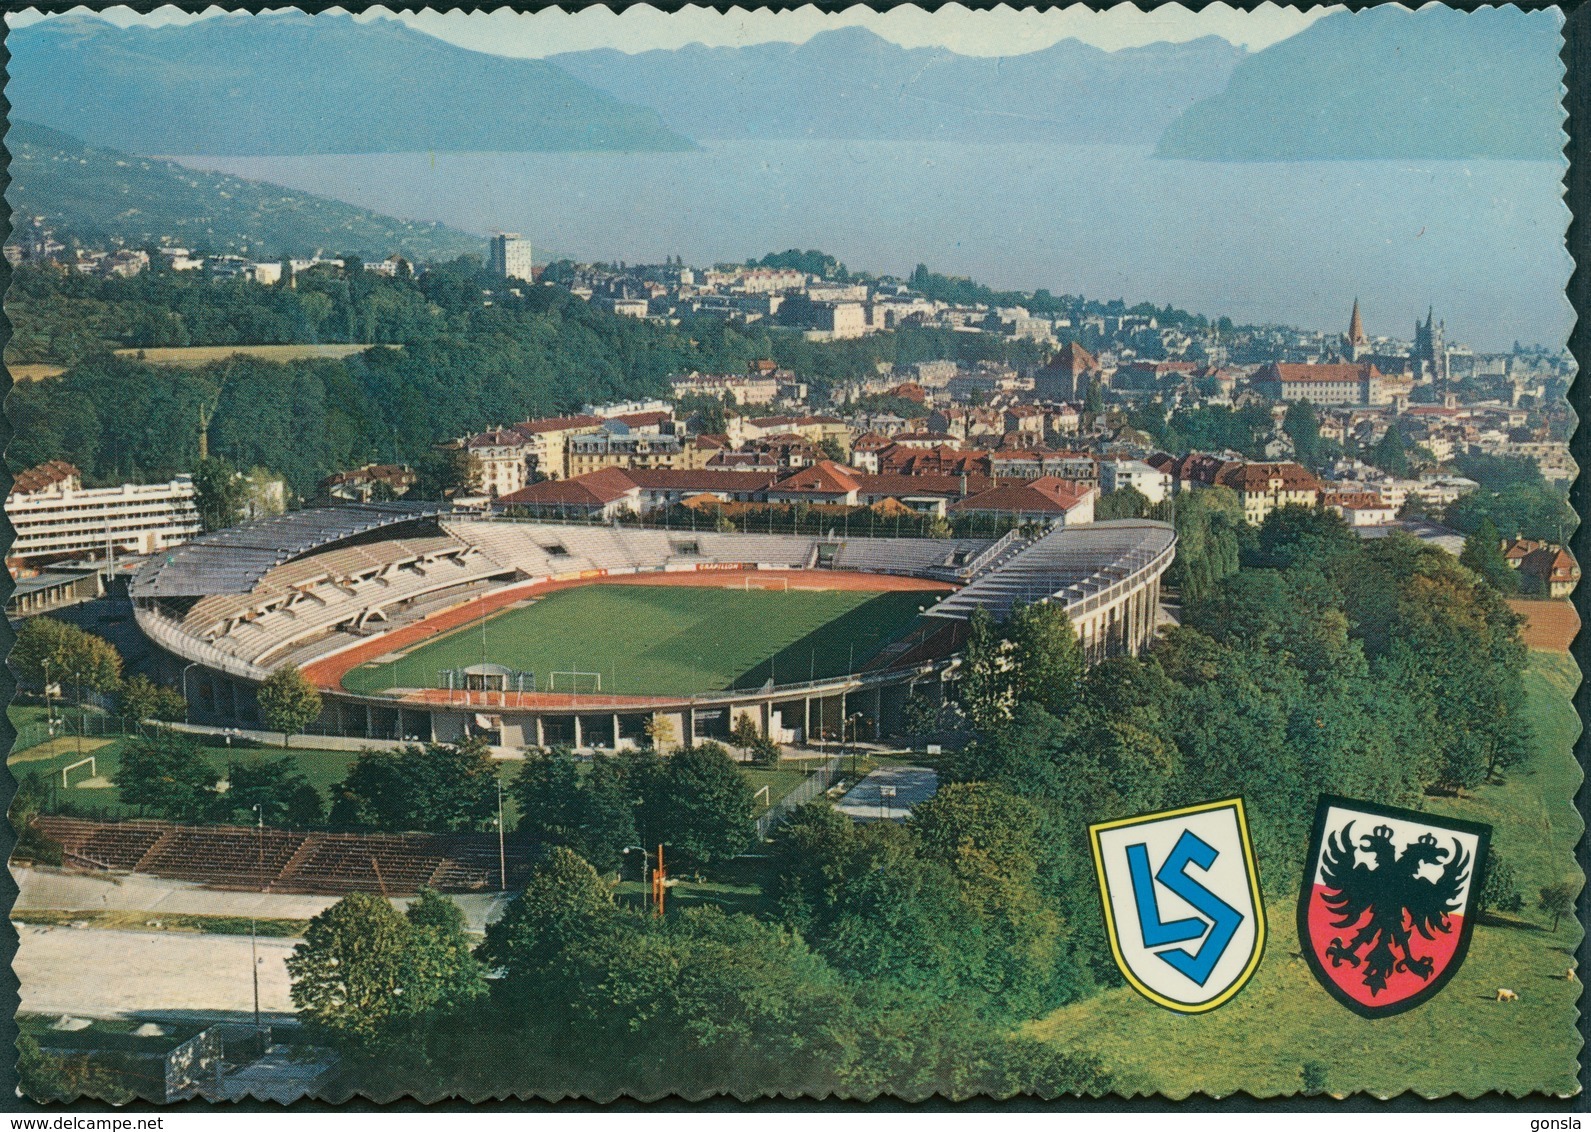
(889, 793)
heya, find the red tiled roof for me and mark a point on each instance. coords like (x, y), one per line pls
(1047, 495)
(951, 487)
(556, 424)
(825, 477)
(45, 475)
(1352, 499)
(1256, 478)
(1072, 360)
(497, 438)
(592, 489)
(703, 479)
(642, 420)
(1321, 371)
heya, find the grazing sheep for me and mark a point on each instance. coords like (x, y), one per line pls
(1506, 995)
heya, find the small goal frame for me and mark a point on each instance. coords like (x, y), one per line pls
(86, 760)
(752, 582)
(574, 674)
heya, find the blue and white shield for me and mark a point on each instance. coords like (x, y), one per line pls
(1182, 902)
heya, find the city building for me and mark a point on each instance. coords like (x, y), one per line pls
(55, 517)
(370, 483)
(1067, 375)
(1548, 567)
(1154, 484)
(500, 454)
(509, 257)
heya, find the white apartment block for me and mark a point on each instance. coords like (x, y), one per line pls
(1152, 483)
(62, 518)
(510, 257)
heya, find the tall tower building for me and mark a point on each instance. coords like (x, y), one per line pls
(1357, 344)
(1430, 347)
(510, 257)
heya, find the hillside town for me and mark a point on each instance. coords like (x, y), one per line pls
(932, 446)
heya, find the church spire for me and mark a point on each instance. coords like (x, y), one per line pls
(1356, 328)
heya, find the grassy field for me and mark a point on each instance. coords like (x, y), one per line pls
(203, 355)
(31, 371)
(665, 640)
(321, 767)
(1461, 1041)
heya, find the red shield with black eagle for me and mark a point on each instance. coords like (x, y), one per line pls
(1388, 902)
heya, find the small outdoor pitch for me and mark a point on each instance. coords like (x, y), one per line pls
(665, 640)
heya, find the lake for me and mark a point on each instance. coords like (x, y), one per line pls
(1481, 241)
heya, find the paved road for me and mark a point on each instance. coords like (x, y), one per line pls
(106, 974)
(82, 892)
(913, 785)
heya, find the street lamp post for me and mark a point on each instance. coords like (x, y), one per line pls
(502, 859)
(254, 959)
(185, 713)
(77, 682)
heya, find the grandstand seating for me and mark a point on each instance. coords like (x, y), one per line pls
(302, 599)
(119, 847)
(1071, 564)
(278, 860)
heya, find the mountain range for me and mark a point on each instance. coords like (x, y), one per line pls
(1383, 82)
(852, 84)
(1386, 82)
(106, 199)
(298, 84)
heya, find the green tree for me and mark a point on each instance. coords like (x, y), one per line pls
(167, 772)
(705, 805)
(71, 656)
(1483, 553)
(219, 492)
(1557, 900)
(745, 732)
(1390, 454)
(440, 787)
(288, 701)
(284, 795)
(443, 974)
(593, 814)
(564, 903)
(1302, 425)
(351, 973)
(44, 1077)
(1123, 503)
(139, 699)
(985, 687)
(920, 717)
(1500, 890)
(1045, 656)
(1209, 526)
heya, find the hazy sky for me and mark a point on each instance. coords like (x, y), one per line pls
(1002, 31)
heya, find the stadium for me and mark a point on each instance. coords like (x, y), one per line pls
(417, 622)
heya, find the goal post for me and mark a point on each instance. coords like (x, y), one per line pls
(574, 681)
(88, 761)
(752, 582)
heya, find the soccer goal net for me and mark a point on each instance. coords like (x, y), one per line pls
(754, 583)
(93, 768)
(573, 681)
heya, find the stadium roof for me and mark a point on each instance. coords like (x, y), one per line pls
(232, 561)
(1071, 565)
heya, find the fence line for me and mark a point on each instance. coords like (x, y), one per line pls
(813, 785)
(70, 723)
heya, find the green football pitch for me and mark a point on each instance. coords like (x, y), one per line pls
(665, 640)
